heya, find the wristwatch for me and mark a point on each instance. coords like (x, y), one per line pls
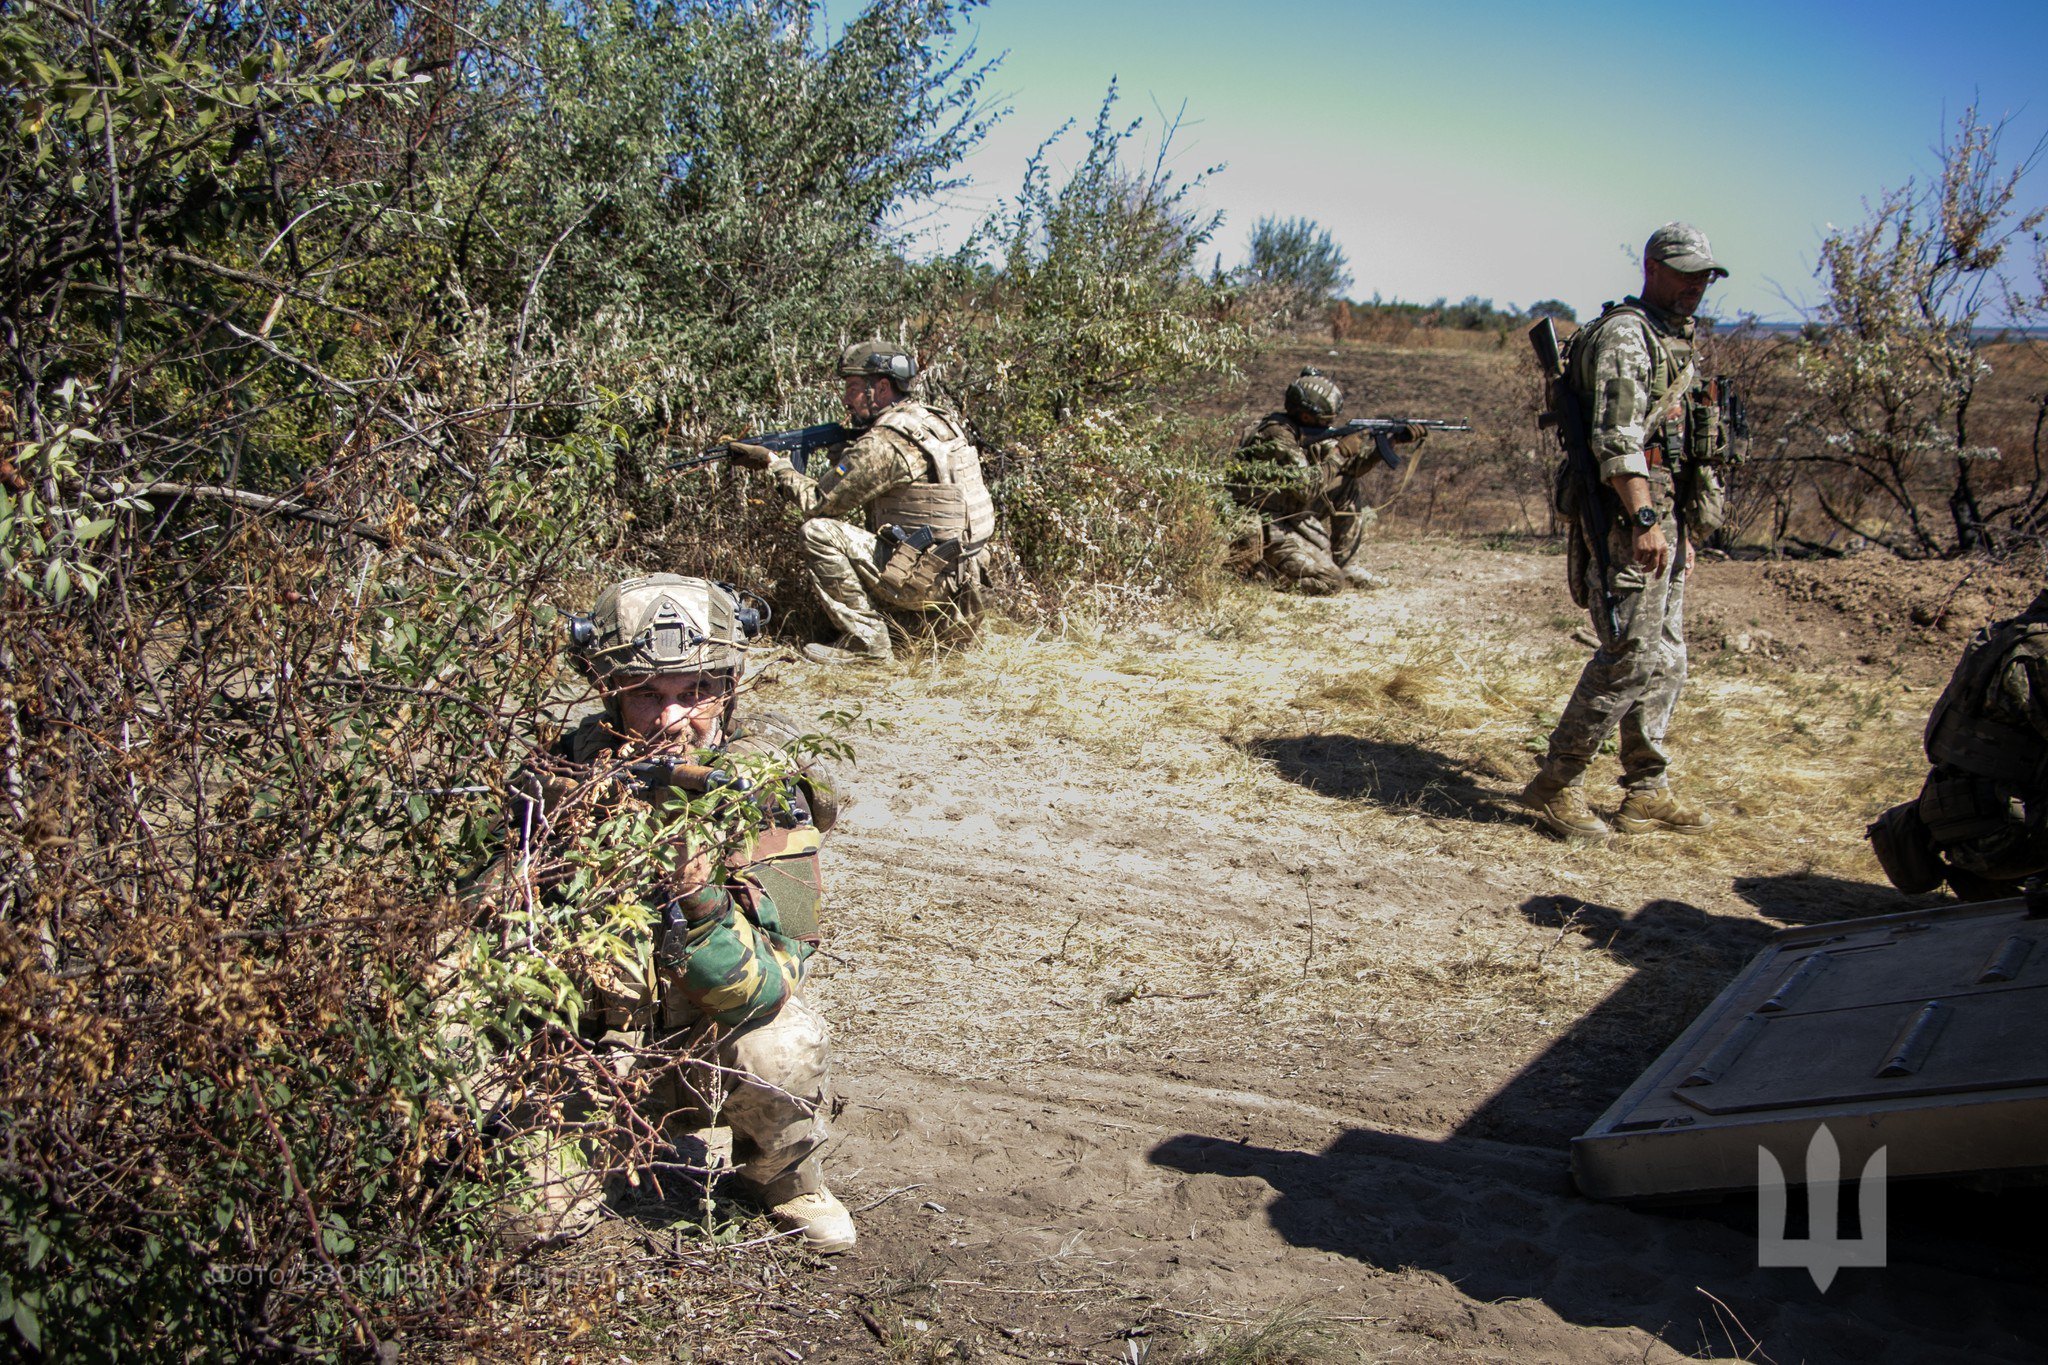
(1643, 518)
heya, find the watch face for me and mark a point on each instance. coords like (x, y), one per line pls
(1645, 517)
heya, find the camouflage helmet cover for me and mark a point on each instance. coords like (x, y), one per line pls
(660, 623)
(1313, 395)
(882, 358)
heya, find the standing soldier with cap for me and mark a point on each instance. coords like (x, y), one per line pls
(1309, 489)
(1653, 432)
(731, 919)
(919, 475)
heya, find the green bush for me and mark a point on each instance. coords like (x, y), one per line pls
(1060, 356)
(341, 343)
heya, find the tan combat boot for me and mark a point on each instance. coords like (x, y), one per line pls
(1364, 580)
(847, 650)
(1648, 811)
(819, 1219)
(1562, 809)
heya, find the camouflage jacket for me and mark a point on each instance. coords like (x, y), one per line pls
(1634, 371)
(1991, 721)
(874, 462)
(729, 959)
(1280, 474)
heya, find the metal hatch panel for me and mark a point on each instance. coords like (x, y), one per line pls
(1923, 1033)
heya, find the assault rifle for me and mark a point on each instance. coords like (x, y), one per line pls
(797, 444)
(1569, 422)
(1380, 428)
(655, 773)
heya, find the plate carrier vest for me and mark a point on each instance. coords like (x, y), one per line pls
(954, 502)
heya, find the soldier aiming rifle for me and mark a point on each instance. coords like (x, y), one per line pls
(1303, 473)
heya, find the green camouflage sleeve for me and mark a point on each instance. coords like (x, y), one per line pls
(1615, 386)
(868, 466)
(729, 968)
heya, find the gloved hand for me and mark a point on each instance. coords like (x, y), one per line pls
(1415, 435)
(749, 456)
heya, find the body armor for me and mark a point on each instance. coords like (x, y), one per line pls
(952, 500)
(1673, 376)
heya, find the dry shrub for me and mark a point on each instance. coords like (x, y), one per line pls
(1297, 1335)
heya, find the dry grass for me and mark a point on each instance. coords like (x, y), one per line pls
(1293, 1336)
(1291, 820)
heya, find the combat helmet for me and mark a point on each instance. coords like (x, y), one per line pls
(1315, 398)
(662, 623)
(883, 358)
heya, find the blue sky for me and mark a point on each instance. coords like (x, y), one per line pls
(1523, 151)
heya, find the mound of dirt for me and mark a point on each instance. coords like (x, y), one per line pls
(1930, 602)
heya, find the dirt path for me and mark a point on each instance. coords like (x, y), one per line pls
(1189, 974)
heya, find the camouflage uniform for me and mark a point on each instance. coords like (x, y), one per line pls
(724, 961)
(1981, 820)
(1310, 497)
(738, 967)
(1635, 378)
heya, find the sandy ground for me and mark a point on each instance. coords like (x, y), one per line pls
(1184, 974)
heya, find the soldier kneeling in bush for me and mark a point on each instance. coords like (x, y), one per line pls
(731, 913)
(1981, 820)
(914, 470)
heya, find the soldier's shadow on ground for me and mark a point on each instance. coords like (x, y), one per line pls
(1491, 1207)
(1385, 773)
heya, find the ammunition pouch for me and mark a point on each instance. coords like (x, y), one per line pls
(1701, 500)
(918, 562)
(1905, 849)
(1960, 809)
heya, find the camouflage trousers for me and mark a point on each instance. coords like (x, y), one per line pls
(1633, 680)
(1991, 828)
(772, 1086)
(1302, 553)
(845, 564)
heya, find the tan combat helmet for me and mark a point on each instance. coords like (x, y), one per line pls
(663, 623)
(880, 358)
(1314, 398)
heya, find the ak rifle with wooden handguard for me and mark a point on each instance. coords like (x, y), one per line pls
(1380, 429)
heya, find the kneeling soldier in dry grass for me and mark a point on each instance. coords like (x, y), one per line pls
(1306, 481)
(1981, 820)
